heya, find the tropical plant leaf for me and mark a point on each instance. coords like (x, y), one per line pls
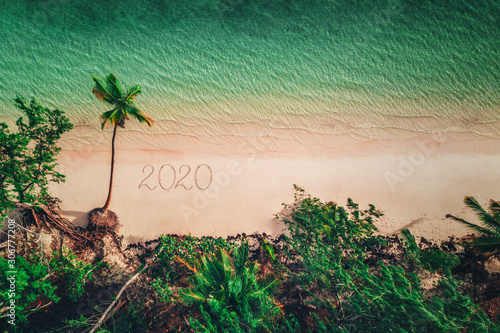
(486, 217)
(475, 227)
(489, 239)
(132, 93)
(138, 114)
(484, 244)
(101, 92)
(112, 117)
(228, 289)
(495, 206)
(114, 86)
(433, 260)
(410, 243)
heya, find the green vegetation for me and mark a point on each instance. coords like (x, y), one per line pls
(71, 274)
(28, 156)
(488, 240)
(332, 243)
(431, 260)
(123, 106)
(184, 248)
(32, 284)
(324, 258)
(40, 283)
(328, 237)
(230, 292)
(322, 277)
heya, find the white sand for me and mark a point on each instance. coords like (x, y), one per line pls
(414, 182)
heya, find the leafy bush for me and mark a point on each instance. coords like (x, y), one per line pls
(391, 300)
(331, 245)
(312, 221)
(231, 296)
(328, 237)
(431, 260)
(27, 157)
(39, 283)
(162, 289)
(489, 239)
(33, 288)
(168, 270)
(71, 274)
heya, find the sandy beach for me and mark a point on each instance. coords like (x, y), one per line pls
(209, 190)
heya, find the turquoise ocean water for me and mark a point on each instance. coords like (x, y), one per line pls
(370, 69)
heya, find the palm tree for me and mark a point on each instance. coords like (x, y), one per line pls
(488, 240)
(123, 102)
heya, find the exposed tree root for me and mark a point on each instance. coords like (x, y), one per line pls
(102, 220)
(46, 217)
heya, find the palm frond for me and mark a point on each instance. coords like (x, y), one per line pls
(114, 86)
(241, 256)
(484, 244)
(112, 117)
(489, 239)
(494, 206)
(101, 92)
(486, 217)
(192, 296)
(409, 241)
(268, 286)
(132, 93)
(138, 114)
(475, 227)
(433, 260)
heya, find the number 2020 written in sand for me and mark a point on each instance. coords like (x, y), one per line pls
(168, 177)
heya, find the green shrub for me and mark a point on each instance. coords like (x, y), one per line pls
(168, 268)
(431, 260)
(231, 296)
(162, 289)
(39, 283)
(27, 157)
(331, 246)
(33, 287)
(71, 274)
(328, 237)
(187, 249)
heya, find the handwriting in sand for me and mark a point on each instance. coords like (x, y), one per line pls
(171, 178)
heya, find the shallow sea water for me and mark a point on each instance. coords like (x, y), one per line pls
(234, 68)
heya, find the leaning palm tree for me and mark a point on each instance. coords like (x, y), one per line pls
(123, 107)
(488, 240)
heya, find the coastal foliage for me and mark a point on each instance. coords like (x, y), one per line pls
(28, 156)
(488, 240)
(40, 282)
(186, 249)
(331, 246)
(71, 274)
(328, 236)
(32, 285)
(229, 292)
(178, 251)
(324, 276)
(429, 259)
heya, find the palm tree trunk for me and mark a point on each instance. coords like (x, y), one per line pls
(108, 200)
